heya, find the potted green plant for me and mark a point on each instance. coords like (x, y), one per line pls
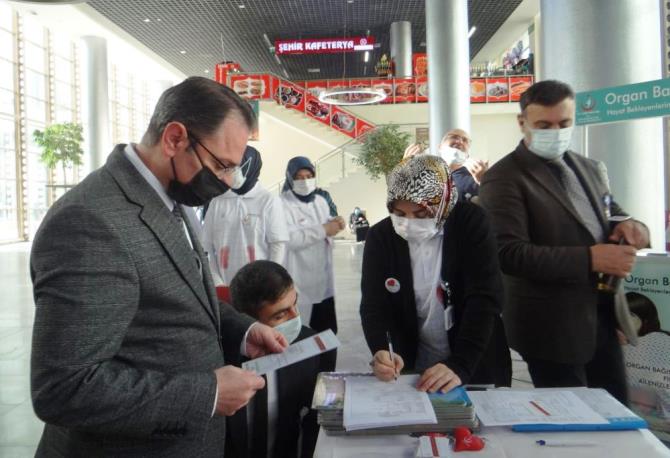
(61, 144)
(382, 149)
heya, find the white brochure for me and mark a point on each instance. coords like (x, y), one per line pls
(301, 350)
(512, 407)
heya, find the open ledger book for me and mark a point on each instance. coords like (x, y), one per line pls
(370, 403)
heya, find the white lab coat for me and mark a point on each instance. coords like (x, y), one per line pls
(309, 258)
(241, 229)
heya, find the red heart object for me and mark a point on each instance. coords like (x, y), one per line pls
(466, 441)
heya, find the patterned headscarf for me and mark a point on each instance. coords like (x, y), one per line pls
(425, 180)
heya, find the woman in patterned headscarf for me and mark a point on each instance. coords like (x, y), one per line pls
(431, 281)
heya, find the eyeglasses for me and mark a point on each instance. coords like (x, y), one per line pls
(223, 170)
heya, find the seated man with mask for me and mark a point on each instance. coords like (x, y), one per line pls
(279, 421)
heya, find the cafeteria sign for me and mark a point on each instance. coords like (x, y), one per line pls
(324, 45)
(619, 103)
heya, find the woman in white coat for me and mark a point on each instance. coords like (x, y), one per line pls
(309, 257)
(243, 225)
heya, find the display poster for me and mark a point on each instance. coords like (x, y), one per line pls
(404, 89)
(292, 96)
(251, 86)
(648, 364)
(497, 89)
(518, 85)
(342, 121)
(317, 110)
(422, 89)
(362, 127)
(274, 88)
(420, 64)
(477, 90)
(386, 85)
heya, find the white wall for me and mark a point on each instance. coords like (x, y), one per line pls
(359, 190)
(284, 134)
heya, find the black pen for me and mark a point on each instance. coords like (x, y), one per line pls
(388, 339)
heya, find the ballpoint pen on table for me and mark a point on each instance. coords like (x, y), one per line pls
(565, 443)
(388, 339)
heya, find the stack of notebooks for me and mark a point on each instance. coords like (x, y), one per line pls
(387, 408)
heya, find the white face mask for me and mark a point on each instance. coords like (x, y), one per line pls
(304, 187)
(452, 156)
(414, 229)
(550, 143)
(238, 178)
(290, 328)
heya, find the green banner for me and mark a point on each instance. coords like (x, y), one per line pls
(619, 103)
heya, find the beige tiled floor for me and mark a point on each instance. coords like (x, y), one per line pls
(19, 428)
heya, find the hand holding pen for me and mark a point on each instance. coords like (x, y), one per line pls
(386, 364)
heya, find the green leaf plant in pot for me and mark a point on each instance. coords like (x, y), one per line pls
(61, 144)
(382, 149)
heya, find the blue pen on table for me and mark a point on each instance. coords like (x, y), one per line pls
(565, 443)
(388, 339)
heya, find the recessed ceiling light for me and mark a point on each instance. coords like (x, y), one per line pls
(313, 70)
(182, 51)
(241, 6)
(350, 1)
(472, 31)
(423, 43)
(206, 71)
(159, 20)
(147, 20)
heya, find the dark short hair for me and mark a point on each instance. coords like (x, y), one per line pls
(257, 284)
(201, 105)
(546, 93)
(645, 309)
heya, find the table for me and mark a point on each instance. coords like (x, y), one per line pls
(503, 443)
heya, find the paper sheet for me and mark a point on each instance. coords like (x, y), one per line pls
(512, 407)
(306, 348)
(371, 403)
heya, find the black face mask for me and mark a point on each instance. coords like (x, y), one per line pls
(203, 187)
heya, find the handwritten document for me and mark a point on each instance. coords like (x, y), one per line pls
(371, 403)
(517, 407)
(299, 351)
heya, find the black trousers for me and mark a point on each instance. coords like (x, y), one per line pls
(605, 370)
(323, 316)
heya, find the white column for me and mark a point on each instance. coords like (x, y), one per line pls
(448, 67)
(591, 44)
(401, 48)
(95, 101)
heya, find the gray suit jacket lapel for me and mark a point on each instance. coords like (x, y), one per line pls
(164, 226)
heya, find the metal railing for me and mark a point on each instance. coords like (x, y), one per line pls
(342, 161)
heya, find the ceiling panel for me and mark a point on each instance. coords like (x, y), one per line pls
(194, 35)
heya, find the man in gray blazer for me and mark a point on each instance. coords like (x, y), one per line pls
(553, 216)
(129, 337)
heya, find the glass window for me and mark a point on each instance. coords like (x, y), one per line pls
(6, 74)
(61, 45)
(35, 57)
(6, 16)
(63, 114)
(36, 110)
(35, 84)
(122, 94)
(6, 45)
(6, 101)
(63, 69)
(63, 94)
(7, 134)
(32, 29)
